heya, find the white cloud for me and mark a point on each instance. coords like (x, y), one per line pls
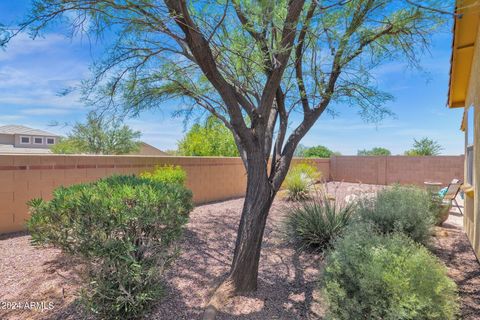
(41, 100)
(46, 111)
(38, 88)
(33, 72)
(22, 44)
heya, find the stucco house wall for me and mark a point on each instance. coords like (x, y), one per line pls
(7, 139)
(472, 202)
(43, 145)
(22, 139)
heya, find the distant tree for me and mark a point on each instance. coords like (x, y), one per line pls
(319, 152)
(211, 139)
(377, 151)
(66, 146)
(300, 150)
(99, 136)
(424, 147)
(173, 152)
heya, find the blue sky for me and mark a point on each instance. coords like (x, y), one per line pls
(33, 72)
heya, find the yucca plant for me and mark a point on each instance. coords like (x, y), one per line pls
(314, 225)
(300, 180)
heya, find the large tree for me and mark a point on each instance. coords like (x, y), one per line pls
(280, 64)
(99, 135)
(424, 147)
(210, 139)
(319, 152)
(377, 151)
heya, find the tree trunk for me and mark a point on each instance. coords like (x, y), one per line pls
(258, 200)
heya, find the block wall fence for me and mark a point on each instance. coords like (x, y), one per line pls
(385, 170)
(23, 177)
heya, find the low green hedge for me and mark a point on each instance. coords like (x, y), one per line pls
(167, 174)
(374, 276)
(124, 229)
(405, 209)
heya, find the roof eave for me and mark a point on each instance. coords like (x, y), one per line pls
(465, 30)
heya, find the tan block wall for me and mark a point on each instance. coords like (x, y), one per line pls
(322, 165)
(396, 169)
(23, 177)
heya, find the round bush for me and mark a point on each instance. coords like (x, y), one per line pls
(373, 276)
(315, 224)
(166, 174)
(124, 229)
(400, 209)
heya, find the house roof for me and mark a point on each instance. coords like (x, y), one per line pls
(147, 149)
(11, 149)
(464, 36)
(17, 129)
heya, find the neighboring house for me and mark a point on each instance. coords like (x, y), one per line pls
(149, 150)
(21, 139)
(464, 92)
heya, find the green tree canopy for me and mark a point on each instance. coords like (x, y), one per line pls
(318, 152)
(210, 139)
(99, 136)
(424, 147)
(377, 151)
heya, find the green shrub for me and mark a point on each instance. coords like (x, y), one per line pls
(315, 224)
(167, 174)
(300, 180)
(124, 229)
(402, 209)
(373, 276)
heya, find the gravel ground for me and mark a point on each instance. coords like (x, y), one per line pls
(451, 245)
(30, 275)
(287, 279)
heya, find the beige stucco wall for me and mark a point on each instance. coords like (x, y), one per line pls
(472, 205)
(7, 139)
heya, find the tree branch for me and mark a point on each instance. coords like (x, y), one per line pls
(203, 54)
(299, 57)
